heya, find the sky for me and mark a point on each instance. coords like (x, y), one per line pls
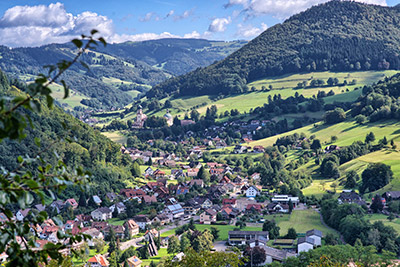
(37, 22)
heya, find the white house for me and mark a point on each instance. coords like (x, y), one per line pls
(305, 244)
(21, 214)
(101, 214)
(120, 207)
(316, 235)
(98, 261)
(142, 220)
(285, 199)
(95, 234)
(252, 191)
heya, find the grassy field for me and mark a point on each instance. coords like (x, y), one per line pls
(115, 221)
(301, 220)
(318, 187)
(162, 252)
(78, 262)
(347, 132)
(74, 99)
(116, 136)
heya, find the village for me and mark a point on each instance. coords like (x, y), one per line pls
(209, 196)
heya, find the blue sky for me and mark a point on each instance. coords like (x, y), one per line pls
(34, 22)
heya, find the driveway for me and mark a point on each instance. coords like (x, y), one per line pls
(220, 245)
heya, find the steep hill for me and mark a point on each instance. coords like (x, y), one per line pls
(118, 72)
(336, 36)
(89, 148)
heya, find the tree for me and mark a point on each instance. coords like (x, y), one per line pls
(215, 232)
(135, 169)
(272, 228)
(204, 175)
(195, 115)
(334, 116)
(375, 176)
(255, 255)
(19, 186)
(205, 259)
(291, 234)
(370, 137)
(82, 200)
(185, 242)
(316, 144)
(290, 206)
(99, 245)
(112, 241)
(350, 182)
(203, 242)
(331, 239)
(361, 119)
(173, 245)
(377, 204)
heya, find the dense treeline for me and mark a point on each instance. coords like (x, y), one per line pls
(379, 101)
(87, 147)
(337, 36)
(349, 220)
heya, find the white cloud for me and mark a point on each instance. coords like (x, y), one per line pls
(41, 24)
(150, 16)
(286, 8)
(219, 24)
(170, 13)
(186, 14)
(248, 31)
(236, 2)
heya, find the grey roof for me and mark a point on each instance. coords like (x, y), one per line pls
(305, 239)
(277, 254)
(104, 210)
(393, 194)
(248, 232)
(177, 208)
(314, 232)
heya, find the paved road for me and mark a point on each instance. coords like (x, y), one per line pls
(220, 245)
(337, 232)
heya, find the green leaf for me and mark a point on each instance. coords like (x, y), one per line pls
(78, 43)
(93, 32)
(66, 89)
(101, 39)
(20, 159)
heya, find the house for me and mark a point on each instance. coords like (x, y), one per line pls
(209, 216)
(58, 205)
(149, 172)
(111, 196)
(182, 190)
(197, 182)
(131, 193)
(391, 195)
(244, 237)
(132, 227)
(101, 226)
(273, 254)
(255, 176)
(215, 171)
(348, 196)
(252, 191)
(39, 207)
(205, 203)
(240, 149)
(285, 199)
(192, 172)
(98, 261)
(176, 211)
(277, 208)
(21, 214)
(187, 122)
(229, 201)
(258, 149)
(121, 208)
(95, 234)
(152, 248)
(101, 214)
(158, 174)
(119, 230)
(163, 219)
(254, 208)
(229, 212)
(149, 199)
(191, 206)
(71, 202)
(97, 200)
(142, 220)
(134, 261)
(316, 235)
(225, 180)
(305, 244)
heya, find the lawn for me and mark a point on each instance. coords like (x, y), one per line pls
(318, 187)
(162, 252)
(301, 220)
(92, 252)
(74, 99)
(224, 229)
(115, 221)
(116, 136)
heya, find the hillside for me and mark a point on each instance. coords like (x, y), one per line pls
(89, 148)
(336, 36)
(118, 72)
